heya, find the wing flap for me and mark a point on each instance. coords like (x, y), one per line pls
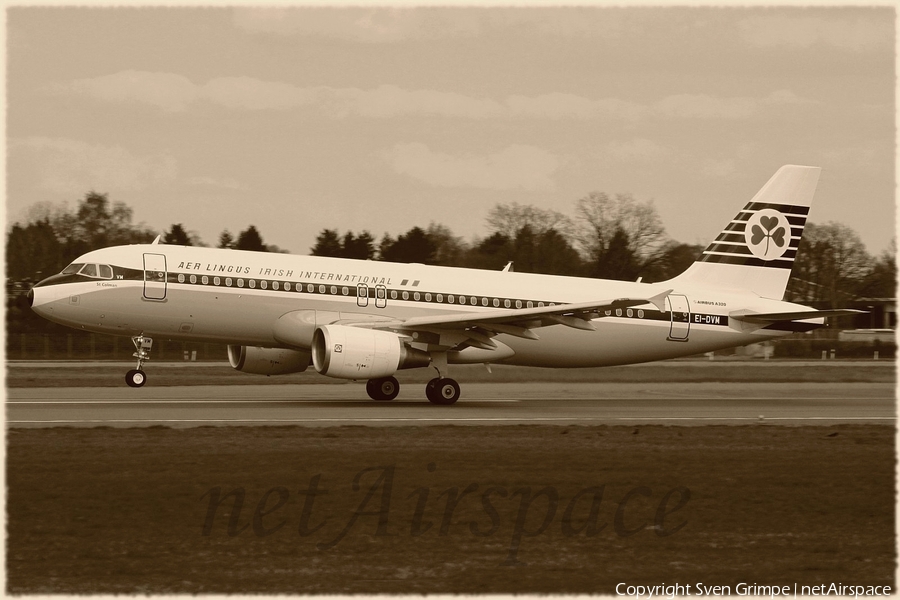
(461, 329)
(576, 315)
(514, 330)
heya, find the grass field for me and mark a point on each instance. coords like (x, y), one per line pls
(446, 509)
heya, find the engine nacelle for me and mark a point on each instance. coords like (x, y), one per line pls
(267, 361)
(358, 353)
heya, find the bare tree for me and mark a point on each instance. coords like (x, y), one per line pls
(830, 264)
(601, 216)
(881, 280)
(509, 219)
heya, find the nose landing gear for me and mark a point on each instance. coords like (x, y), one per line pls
(136, 377)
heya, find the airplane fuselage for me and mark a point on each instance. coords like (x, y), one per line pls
(240, 298)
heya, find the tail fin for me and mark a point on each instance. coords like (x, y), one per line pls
(756, 250)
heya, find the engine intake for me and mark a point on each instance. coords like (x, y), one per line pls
(358, 353)
(267, 361)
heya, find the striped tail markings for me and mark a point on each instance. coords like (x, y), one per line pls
(755, 251)
(733, 245)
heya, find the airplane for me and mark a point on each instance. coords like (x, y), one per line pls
(366, 320)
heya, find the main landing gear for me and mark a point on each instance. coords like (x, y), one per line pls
(383, 389)
(136, 377)
(441, 390)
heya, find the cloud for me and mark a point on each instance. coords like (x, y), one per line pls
(172, 92)
(167, 91)
(515, 167)
(66, 165)
(570, 106)
(399, 24)
(252, 94)
(175, 93)
(717, 168)
(389, 101)
(838, 28)
(213, 182)
(871, 156)
(703, 106)
(635, 150)
(366, 25)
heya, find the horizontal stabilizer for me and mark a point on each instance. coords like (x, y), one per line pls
(793, 316)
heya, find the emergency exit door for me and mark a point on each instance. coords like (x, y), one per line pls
(155, 276)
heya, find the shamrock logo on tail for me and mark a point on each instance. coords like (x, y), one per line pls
(767, 234)
(772, 232)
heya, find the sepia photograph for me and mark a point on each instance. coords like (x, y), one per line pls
(451, 299)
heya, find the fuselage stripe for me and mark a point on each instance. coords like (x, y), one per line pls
(270, 286)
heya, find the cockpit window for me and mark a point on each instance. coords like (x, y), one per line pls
(90, 270)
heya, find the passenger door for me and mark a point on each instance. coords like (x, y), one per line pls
(155, 276)
(680, 311)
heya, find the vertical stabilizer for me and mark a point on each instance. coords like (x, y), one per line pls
(755, 251)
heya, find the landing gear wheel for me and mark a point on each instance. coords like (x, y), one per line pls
(383, 389)
(135, 378)
(446, 392)
(431, 390)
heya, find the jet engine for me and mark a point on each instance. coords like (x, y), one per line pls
(267, 361)
(358, 353)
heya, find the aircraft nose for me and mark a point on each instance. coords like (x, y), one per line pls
(30, 297)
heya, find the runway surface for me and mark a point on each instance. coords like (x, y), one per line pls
(480, 404)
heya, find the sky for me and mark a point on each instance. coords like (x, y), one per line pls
(298, 119)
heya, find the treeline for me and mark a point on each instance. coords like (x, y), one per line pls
(833, 267)
(53, 235)
(620, 238)
(609, 237)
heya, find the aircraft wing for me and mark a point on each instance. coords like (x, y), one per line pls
(792, 316)
(476, 328)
